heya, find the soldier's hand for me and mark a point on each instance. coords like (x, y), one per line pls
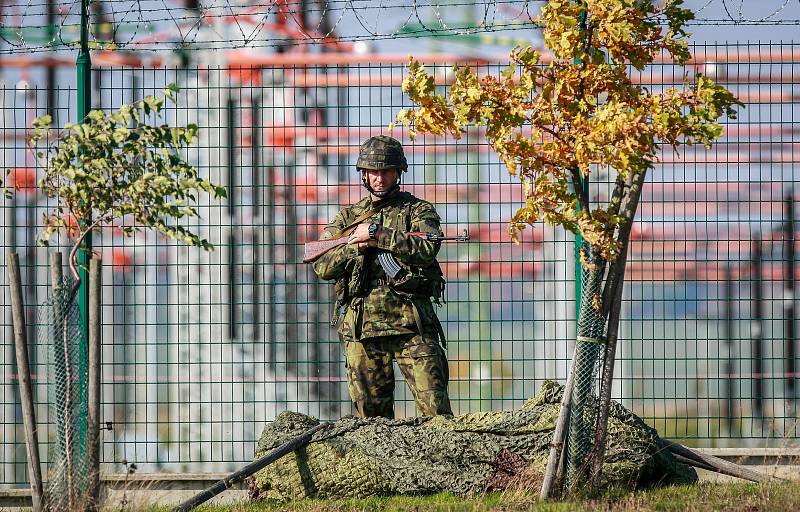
(361, 234)
(363, 246)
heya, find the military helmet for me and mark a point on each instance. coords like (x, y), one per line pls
(381, 152)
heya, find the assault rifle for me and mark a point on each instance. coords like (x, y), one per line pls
(313, 250)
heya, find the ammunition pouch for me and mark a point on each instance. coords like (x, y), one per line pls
(421, 282)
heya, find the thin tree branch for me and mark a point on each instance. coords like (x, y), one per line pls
(616, 196)
(630, 198)
(73, 260)
(588, 43)
(552, 132)
(583, 198)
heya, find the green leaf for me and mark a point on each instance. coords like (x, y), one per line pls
(108, 168)
(170, 92)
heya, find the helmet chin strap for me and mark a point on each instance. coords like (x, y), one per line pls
(394, 188)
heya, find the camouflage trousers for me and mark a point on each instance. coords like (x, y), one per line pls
(370, 373)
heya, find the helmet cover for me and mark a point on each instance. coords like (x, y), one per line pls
(381, 152)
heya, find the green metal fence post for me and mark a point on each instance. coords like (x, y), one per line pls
(588, 336)
(585, 186)
(84, 69)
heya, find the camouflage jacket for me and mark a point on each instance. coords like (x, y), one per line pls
(367, 306)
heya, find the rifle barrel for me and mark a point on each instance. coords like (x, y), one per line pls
(434, 237)
(313, 250)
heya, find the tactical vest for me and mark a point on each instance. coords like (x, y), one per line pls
(413, 281)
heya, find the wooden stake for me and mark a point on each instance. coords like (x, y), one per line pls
(95, 353)
(24, 379)
(557, 445)
(612, 306)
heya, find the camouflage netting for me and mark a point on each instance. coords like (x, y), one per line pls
(473, 453)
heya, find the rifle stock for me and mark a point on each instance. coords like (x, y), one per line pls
(313, 250)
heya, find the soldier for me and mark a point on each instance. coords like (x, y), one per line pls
(382, 318)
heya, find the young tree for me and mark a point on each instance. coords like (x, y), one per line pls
(117, 167)
(555, 121)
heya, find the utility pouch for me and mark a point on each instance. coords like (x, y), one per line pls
(425, 281)
(421, 281)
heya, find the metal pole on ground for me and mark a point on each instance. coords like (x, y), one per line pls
(226, 483)
(24, 380)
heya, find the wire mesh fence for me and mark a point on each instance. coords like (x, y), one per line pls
(202, 349)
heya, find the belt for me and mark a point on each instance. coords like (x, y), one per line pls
(378, 282)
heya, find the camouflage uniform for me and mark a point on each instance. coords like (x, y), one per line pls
(377, 323)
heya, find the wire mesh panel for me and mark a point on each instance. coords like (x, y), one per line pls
(202, 349)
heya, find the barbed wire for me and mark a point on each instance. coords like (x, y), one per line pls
(157, 25)
(147, 24)
(752, 23)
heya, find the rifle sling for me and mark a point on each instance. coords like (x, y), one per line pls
(418, 321)
(358, 220)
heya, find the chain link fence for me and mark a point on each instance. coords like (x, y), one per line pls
(589, 350)
(60, 331)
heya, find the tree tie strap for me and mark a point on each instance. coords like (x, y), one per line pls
(587, 339)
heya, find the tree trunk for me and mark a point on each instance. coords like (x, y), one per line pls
(612, 301)
(579, 382)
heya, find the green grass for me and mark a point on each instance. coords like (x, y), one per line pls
(705, 497)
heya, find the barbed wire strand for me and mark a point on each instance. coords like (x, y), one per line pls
(158, 24)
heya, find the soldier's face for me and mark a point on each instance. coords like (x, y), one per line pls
(383, 180)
